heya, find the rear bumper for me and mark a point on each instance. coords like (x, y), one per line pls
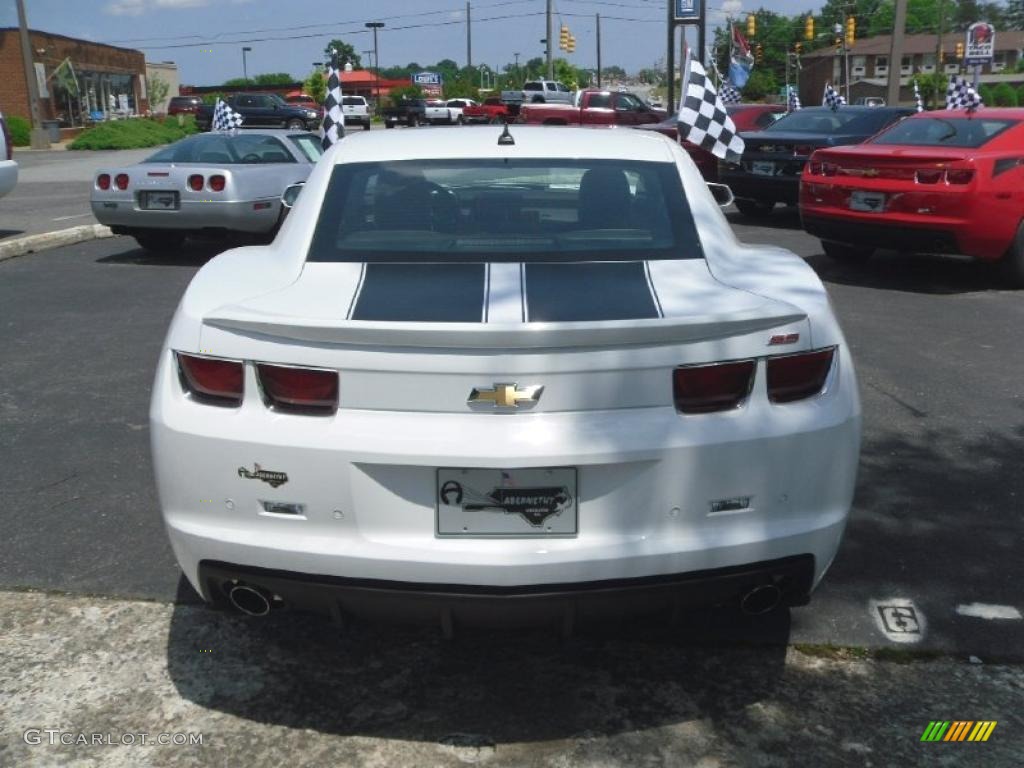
(768, 189)
(124, 216)
(453, 604)
(876, 234)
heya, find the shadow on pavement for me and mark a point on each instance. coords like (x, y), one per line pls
(4, 233)
(782, 217)
(929, 274)
(493, 687)
(194, 253)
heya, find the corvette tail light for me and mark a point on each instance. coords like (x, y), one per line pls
(195, 182)
(711, 388)
(121, 180)
(212, 380)
(103, 181)
(217, 183)
(959, 175)
(928, 176)
(797, 377)
(303, 390)
(803, 149)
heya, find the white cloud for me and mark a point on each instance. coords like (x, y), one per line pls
(180, 3)
(732, 7)
(138, 7)
(126, 7)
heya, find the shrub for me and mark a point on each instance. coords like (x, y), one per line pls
(1020, 95)
(1003, 96)
(21, 130)
(133, 134)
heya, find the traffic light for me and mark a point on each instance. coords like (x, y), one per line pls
(759, 53)
(798, 48)
(571, 47)
(563, 38)
(839, 45)
(959, 51)
(809, 28)
(751, 25)
(851, 31)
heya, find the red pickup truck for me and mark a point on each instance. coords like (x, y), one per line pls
(593, 107)
(490, 111)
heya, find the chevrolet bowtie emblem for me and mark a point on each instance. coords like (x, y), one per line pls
(507, 395)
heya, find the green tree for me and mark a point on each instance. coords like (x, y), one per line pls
(406, 92)
(274, 78)
(614, 72)
(1003, 95)
(316, 86)
(346, 54)
(1015, 14)
(933, 90)
(157, 88)
(762, 83)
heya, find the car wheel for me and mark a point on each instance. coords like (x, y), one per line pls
(461, 120)
(754, 208)
(845, 252)
(161, 242)
(366, 125)
(295, 125)
(1013, 262)
(389, 124)
(497, 120)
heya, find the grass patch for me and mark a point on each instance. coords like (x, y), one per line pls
(134, 134)
(890, 654)
(21, 131)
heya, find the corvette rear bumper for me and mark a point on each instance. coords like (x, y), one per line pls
(125, 217)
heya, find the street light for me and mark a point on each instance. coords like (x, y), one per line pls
(245, 70)
(518, 79)
(375, 25)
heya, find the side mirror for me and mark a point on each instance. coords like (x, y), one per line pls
(722, 194)
(291, 194)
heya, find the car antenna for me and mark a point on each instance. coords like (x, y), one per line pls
(506, 139)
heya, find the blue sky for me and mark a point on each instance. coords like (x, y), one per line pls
(209, 33)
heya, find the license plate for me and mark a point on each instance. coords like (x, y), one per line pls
(871, 202)
(762, 168)
(522, 503)
(159, 201)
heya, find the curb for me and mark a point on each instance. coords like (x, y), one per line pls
(21, 246)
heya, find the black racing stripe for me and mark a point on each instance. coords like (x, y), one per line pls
(580, 291)
(425, 293)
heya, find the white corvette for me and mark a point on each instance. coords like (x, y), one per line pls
(476, 377)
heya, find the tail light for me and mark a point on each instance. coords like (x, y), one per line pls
(711, 388)
(217, 183)
(103, 181)
(796, 377)
(959, 175)
(212, 380)
(303, 390)
(814, 168)
(928, 176)
(121, 180)
(803, 149)
(195, 182)
(829, 169)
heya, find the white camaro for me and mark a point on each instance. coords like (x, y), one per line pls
(472, 378)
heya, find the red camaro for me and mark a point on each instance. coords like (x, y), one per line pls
(937, 182)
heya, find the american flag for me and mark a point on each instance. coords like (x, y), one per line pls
(961, 95)
(832, 98)
(703, 119)
(334, 120)
(225, 118)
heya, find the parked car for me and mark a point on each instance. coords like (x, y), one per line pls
(593, 107)
(299, 99)
(263, 110)
(774, 158)
(938, 182)
(356, 111)
(478, 379)
(410, 112)
(457, 109)
(546, 91)
(209, 183)
(8, 165)
(184, 105)
(436, 112)
(492, 110)
(746, 117)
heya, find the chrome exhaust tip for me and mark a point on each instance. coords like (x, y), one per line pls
(249, 600)
(761, 600)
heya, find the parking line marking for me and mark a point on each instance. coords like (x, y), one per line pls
(986, 611)
(76, 216)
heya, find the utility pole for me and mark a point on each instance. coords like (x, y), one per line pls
(245, 69)
(598, 50)
(892, 97)
(670, 79)
(40, 139)
(375, 25)
(469, 37)
(547, 42)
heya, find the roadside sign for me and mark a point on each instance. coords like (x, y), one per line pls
(687, 10)
(427, 78)
(980, 45)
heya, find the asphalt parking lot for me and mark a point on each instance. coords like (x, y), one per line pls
(930, 566)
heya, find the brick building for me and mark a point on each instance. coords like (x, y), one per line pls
(77, 79)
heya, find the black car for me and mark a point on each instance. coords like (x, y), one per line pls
(769, 171)
(410, 112)
(263, 110)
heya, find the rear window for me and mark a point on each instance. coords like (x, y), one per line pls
(225, 149)
(944, 132)
(533, 87)
(353, 101)
(309, 145)
(504, 210)
(826, 121)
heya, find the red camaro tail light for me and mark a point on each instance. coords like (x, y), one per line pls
(960, 175)
(711, 388)
(103, 181)
(928, 176)
(797, 377)
(211, 380)
(299, 389)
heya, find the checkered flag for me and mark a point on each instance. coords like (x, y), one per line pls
(793, 102)
(729, 94)
(832, 98)
(702, 117)
(334, 120)
(225, 118)
(961, 95)
(917, 97)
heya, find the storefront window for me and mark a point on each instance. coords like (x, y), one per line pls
(80, 96)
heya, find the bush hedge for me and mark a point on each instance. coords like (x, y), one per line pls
(21, 130)
(135, 133)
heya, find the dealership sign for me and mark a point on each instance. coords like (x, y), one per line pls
(980, 45)
(687, 10)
